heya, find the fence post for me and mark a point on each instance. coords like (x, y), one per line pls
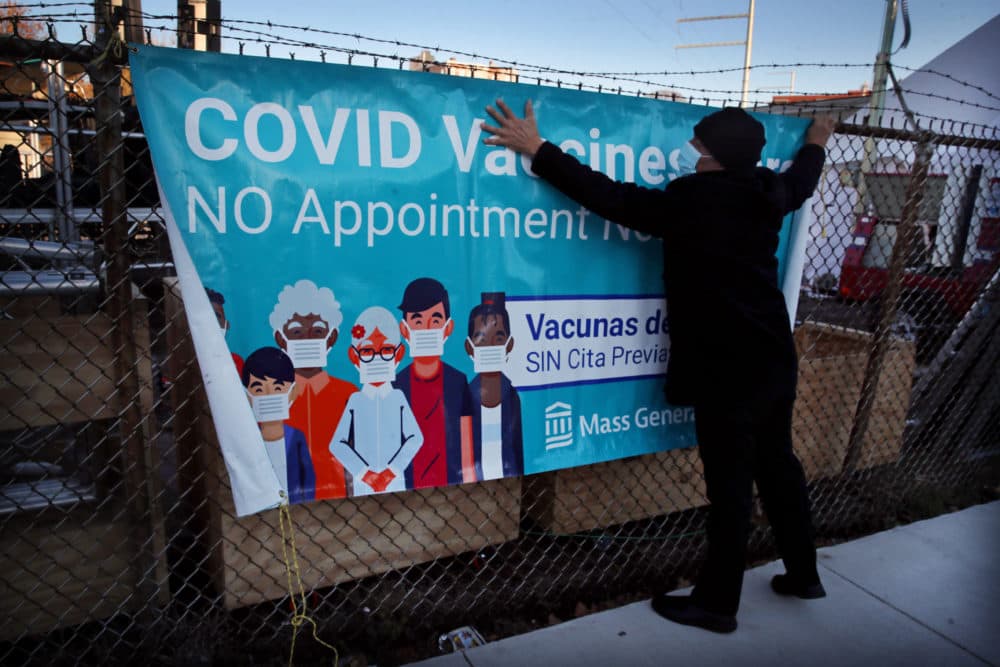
(889, 301)
(123, 311)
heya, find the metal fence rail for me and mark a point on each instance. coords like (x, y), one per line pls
(119, 538)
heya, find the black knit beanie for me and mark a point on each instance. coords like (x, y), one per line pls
(733, 137)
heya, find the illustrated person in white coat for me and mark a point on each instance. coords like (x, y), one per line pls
(377, 436)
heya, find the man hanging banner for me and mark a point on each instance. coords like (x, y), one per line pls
(381, 302)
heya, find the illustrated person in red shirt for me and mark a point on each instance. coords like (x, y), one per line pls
(438, 394)
(218, 303)
(305, 322)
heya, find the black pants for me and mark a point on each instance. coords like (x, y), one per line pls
(740, 445)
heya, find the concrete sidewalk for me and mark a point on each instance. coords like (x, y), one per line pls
(923, 594)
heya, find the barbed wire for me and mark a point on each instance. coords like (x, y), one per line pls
(545, 68)
(45, 5)
(695, 93)
(701, 93)
(234, 24)
(530, 67)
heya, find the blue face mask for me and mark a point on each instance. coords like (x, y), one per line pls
(687, 160)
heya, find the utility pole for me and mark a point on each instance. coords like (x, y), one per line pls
(746, 55)
(747, 44)
(132, 20)
(199, 25)
(881, 65)
(877, 101)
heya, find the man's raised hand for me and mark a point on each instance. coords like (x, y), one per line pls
(518, 134)
(820, 130)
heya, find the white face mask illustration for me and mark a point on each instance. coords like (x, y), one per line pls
(377, 370)
(489, 358)
(426, 342)
(270, 407)
(687, 159)
(225, 329)
(307, 353)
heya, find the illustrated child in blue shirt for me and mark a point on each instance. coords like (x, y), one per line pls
(269, 378)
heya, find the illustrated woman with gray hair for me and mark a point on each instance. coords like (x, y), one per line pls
(306, 321)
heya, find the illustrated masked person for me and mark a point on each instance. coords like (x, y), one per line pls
(496, 424)
(438, 393)
(270, 384)
(218, 303)
(377, 437)
(305, 322)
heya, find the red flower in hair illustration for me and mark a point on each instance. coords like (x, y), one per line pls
(358, 331)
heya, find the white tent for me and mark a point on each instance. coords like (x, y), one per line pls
(962, 84)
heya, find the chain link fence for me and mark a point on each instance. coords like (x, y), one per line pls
(119, 539)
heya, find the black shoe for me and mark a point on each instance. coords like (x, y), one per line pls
(680, 609)
(785, 585)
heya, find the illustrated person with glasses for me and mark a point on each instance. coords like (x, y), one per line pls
(438, 393)
(305, 321)
(377, 436)
(496, 425)
(269, 379)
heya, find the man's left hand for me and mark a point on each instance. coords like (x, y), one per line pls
(820, 130)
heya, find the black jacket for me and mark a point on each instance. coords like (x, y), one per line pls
(729, 329)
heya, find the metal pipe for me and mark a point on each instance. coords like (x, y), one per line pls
(70, 281)
(708, 44)
(910, 135)
(18, 247)
(36, 216)
(746, 57)
(877, 102)
(60, 152)
(18, 47)
(712, 18)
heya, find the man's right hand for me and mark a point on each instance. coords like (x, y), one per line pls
(518, 134)
(821, 129)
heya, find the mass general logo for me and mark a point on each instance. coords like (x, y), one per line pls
(558, 426)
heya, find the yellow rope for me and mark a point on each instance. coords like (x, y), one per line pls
(299, 617)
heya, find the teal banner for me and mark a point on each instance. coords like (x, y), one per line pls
(381, 302)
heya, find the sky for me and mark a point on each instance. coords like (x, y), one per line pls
(624, 36)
